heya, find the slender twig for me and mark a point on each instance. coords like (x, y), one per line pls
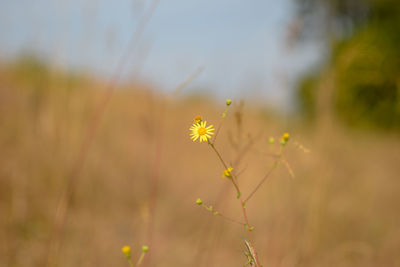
(140, 259)
(217, 132)
(154, 180)
(230, 219)
(157, 161)
(219, 155)
(241, 171)
(232, 142)
(243, 204)
(279, 158)
(64, 200)
(221, 195)
(287, 165)
(272, 155)
(276, 163)
(220, 124)
(246, 149)
(180, 87)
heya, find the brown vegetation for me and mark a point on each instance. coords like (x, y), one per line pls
(341, 209)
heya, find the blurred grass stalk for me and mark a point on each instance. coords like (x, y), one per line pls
(159, 140)
(71, 180)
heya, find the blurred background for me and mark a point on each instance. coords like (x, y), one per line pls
(96, 98)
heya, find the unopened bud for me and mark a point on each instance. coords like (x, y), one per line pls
(127, 251)
(199, 201)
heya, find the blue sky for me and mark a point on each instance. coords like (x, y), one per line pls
(241, 44)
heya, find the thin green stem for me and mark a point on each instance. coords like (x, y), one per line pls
(140, 258)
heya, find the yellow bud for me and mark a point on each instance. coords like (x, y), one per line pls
(285, 137)
(199, 201)
(271, 140)
(127, 251)
(227, 173)
(145, 249)
(198, 119)
(228, 102)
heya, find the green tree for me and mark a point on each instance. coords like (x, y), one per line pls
(364, 43)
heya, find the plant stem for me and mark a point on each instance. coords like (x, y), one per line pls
(276, 163)
(240, 199)
(230, 219)
(140, 259)
(219, 155)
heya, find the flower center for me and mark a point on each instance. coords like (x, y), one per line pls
(202, 131)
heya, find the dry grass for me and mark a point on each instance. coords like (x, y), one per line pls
(341, 209)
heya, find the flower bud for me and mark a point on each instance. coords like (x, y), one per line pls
(127, 251)
(199, 201)
(227, 173)
(198, 119)
(271, 140)
(286, 137)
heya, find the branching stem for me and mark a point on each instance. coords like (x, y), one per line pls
(232, 179)
(276, 164)
(229, 219)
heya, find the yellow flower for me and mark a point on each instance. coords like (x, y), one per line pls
(227, 173)
(127, 251)
(201, 130)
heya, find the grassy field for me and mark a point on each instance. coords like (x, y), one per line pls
(141, 174)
